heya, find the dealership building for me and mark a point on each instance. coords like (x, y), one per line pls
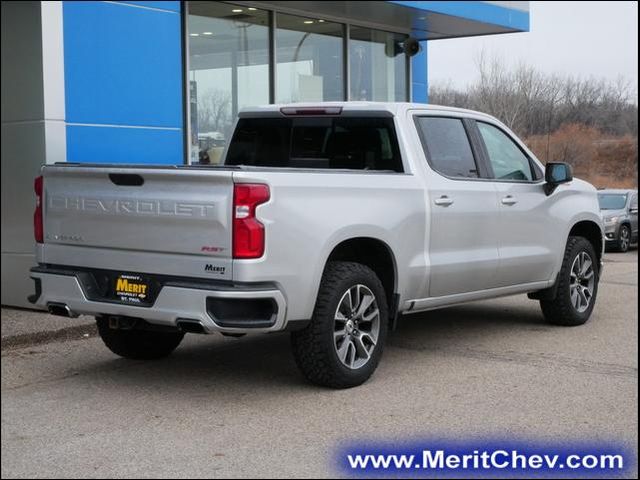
(160, 82)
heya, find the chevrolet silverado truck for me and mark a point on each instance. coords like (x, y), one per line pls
(327, 221)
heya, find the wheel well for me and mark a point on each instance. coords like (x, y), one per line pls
(373, 253)
(591, 231)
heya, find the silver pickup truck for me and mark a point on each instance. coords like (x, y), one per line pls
(324, 220)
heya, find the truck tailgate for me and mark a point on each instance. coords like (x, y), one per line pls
(176, 211)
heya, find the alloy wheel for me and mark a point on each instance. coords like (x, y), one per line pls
(624, 239)
(582, 282)
(356, 326)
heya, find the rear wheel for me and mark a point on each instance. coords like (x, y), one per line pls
(624, 239)
(343, 343)
(138, 344)
(577, 285)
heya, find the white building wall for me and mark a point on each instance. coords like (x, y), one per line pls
(33, 130)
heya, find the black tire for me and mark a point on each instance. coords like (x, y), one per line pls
(138, 344)
(313, 347)
(561, 310)
(623, 242)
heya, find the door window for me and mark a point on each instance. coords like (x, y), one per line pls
(507, 159)
(447, 147)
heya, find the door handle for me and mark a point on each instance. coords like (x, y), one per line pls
(509, 200)
(443, 201)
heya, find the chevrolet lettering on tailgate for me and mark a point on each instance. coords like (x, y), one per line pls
(124, 206)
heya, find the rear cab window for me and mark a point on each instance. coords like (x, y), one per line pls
(316, 142)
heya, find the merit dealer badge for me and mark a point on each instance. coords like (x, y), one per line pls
(131, 289)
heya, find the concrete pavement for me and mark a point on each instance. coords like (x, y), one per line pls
(22, 327)
(223, 407)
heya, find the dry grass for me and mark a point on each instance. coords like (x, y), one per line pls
(604, 160)
(603, 181)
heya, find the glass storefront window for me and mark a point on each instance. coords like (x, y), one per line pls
(309, 60)
(230, 67)
(378, 66)
(228, 70)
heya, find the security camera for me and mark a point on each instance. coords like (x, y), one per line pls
(411, 46)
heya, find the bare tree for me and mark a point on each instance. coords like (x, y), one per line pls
(589, 122)
(531, 102)
(214, 111)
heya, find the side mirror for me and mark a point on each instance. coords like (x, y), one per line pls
(556, 173)
(633, 210)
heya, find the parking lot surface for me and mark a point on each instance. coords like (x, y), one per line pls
(221, 407)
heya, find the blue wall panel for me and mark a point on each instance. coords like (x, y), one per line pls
(419, 75)
(171, 6)
(90, 144)
(475, 10)
(123, 66)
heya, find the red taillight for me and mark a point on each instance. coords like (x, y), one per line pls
(248, 232)
(38, 230)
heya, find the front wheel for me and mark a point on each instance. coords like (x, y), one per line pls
(343, 343)
(577, 285)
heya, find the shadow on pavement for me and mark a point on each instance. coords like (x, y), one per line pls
(218, 368)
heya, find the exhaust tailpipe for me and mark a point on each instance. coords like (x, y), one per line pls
(191, 326)
(60, 309)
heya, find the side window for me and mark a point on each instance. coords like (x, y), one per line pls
(386, 144)
(447, 146)
(538, 174)
(634, 202)
(506, 158)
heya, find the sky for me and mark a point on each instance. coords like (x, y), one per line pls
(585, 39)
